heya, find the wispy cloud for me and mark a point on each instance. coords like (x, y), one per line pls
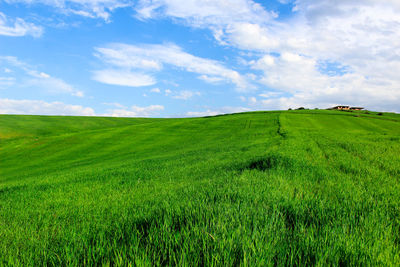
(185, 94)
(136, 111)
(6, 82)
(130, 59)
(24, 75)
(12, 106)
(115, 104)
(213, 112)
(155, 90)
(204, 13)
(123, 78)
(18, 27)
(87, 8)
(40, 107)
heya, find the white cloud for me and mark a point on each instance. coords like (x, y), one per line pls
(18, 27)
(270, 94)
(185, 95)
(155, 90)
(299, 76)
(87, 8)
(153, 57)
(167, 92)
(6, 82)
(211, 79)
(125, 56)
(11, 106)
(235, 21)
(251, 36)
(362, 36)
(40, 107)
(204, 13)
(27, 76)
(54, 85)
(211, 112)
(118, 105)
(123, 78)
(290, 72)
(136, 111)
(252, 100)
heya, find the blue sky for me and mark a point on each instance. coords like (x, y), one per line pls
(178, 58)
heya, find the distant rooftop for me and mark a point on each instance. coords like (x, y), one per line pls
(343, 107)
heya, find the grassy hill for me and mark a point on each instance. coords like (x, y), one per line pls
(257, 189)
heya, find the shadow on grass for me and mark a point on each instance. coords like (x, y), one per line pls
(268, 162)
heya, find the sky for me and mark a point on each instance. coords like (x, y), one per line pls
(187, 58)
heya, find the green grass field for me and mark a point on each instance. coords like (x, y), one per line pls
(252, 189)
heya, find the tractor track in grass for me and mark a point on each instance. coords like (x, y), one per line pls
(280, 131)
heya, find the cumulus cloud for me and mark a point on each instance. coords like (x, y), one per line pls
(24, 75)
(12, 106)
(300, 77)
(361, 37)
(151, 57)
(234, 19)
(18, 27)
(136, 111)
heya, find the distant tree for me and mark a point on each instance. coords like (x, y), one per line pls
(380, 114)
(300, 108)
(290, 109)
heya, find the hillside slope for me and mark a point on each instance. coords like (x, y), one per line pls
(261, 188)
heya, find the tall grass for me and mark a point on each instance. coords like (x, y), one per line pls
(253, 189)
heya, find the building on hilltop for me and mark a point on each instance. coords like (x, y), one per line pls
(346, 108)
(341, 108)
